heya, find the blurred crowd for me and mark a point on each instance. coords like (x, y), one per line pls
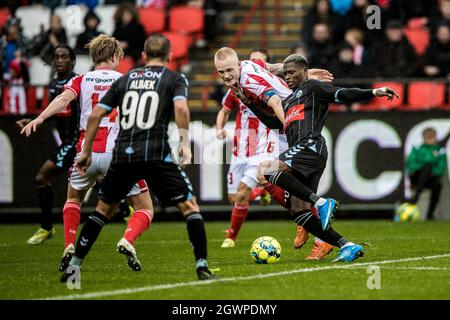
(16, 48)
(413, 41)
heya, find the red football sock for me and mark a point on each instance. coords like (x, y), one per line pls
(238, 217)
(276, 192)
(71, 220)
(139, 222)
(255, 193)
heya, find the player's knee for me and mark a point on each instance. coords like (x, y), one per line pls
(188, 207)
(242, 197)
(41, 179)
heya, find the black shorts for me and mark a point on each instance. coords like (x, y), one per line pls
(306, 164)
(64, 155)
(166, 180)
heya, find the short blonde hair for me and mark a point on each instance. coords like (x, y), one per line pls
(224, 53)
(104, 48)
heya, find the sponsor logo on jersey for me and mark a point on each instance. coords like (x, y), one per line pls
(295, 113)
(98, 80)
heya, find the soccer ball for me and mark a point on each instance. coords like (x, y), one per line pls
(265, 250)
(407, 212)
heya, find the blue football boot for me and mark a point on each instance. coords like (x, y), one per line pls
(350, 253)
(326, 212)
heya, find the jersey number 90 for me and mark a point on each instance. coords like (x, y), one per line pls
(134, 108)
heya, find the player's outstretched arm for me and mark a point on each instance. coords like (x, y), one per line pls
(221, 120)
(57, 105)
(84, 161)
(182, 117)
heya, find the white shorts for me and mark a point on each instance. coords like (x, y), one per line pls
(99, 166)
(241, 170)
(276, 144)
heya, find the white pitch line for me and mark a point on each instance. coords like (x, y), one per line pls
(99, 294)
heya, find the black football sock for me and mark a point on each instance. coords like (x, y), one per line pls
(197, 236)
(45, 199)
(292, 185)
(312, 224)
(89, 233)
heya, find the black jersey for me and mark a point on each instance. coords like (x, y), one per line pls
(306, 110)
(145, 97)
(67, 121)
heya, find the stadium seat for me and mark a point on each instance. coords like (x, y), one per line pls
(106, 15)
(125, 65)
(179, 22)
(180, 48)
(179, 44)
(4, 15)
(83, 64)
(39, 72)
(425, 95)
(32, 18)
(380, 104)
(153, 20)
(418, 37)
(72, 18)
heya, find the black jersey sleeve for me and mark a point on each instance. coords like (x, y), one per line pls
(181, 86)
(329, 93)
(111, 99)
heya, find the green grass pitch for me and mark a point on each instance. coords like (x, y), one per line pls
(413, 261)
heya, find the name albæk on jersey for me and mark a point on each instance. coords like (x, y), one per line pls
(145, 97)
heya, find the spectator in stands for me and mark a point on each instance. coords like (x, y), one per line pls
(321, 13)
(343, 66)
(19, 79)
(11, 43)
(129, 31)
(394, 56)
(405, 10)
(91, 22)
(426, 165)
(321, 51)
(437, 56)
(355, 38)
(91, 4)
(47, 40)
(357, 19)
(442, 16)
(299, 48)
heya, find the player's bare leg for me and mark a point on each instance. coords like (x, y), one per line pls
(197, 236)
(137, 225)
(238, 215)
(45, 197)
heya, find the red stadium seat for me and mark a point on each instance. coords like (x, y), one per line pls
(187, 20)
(179, 44)
(380, 104)
(4, 15)
(153, 20)
(419, 37)
(180, 49)
(125, 65)
(425, 95)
